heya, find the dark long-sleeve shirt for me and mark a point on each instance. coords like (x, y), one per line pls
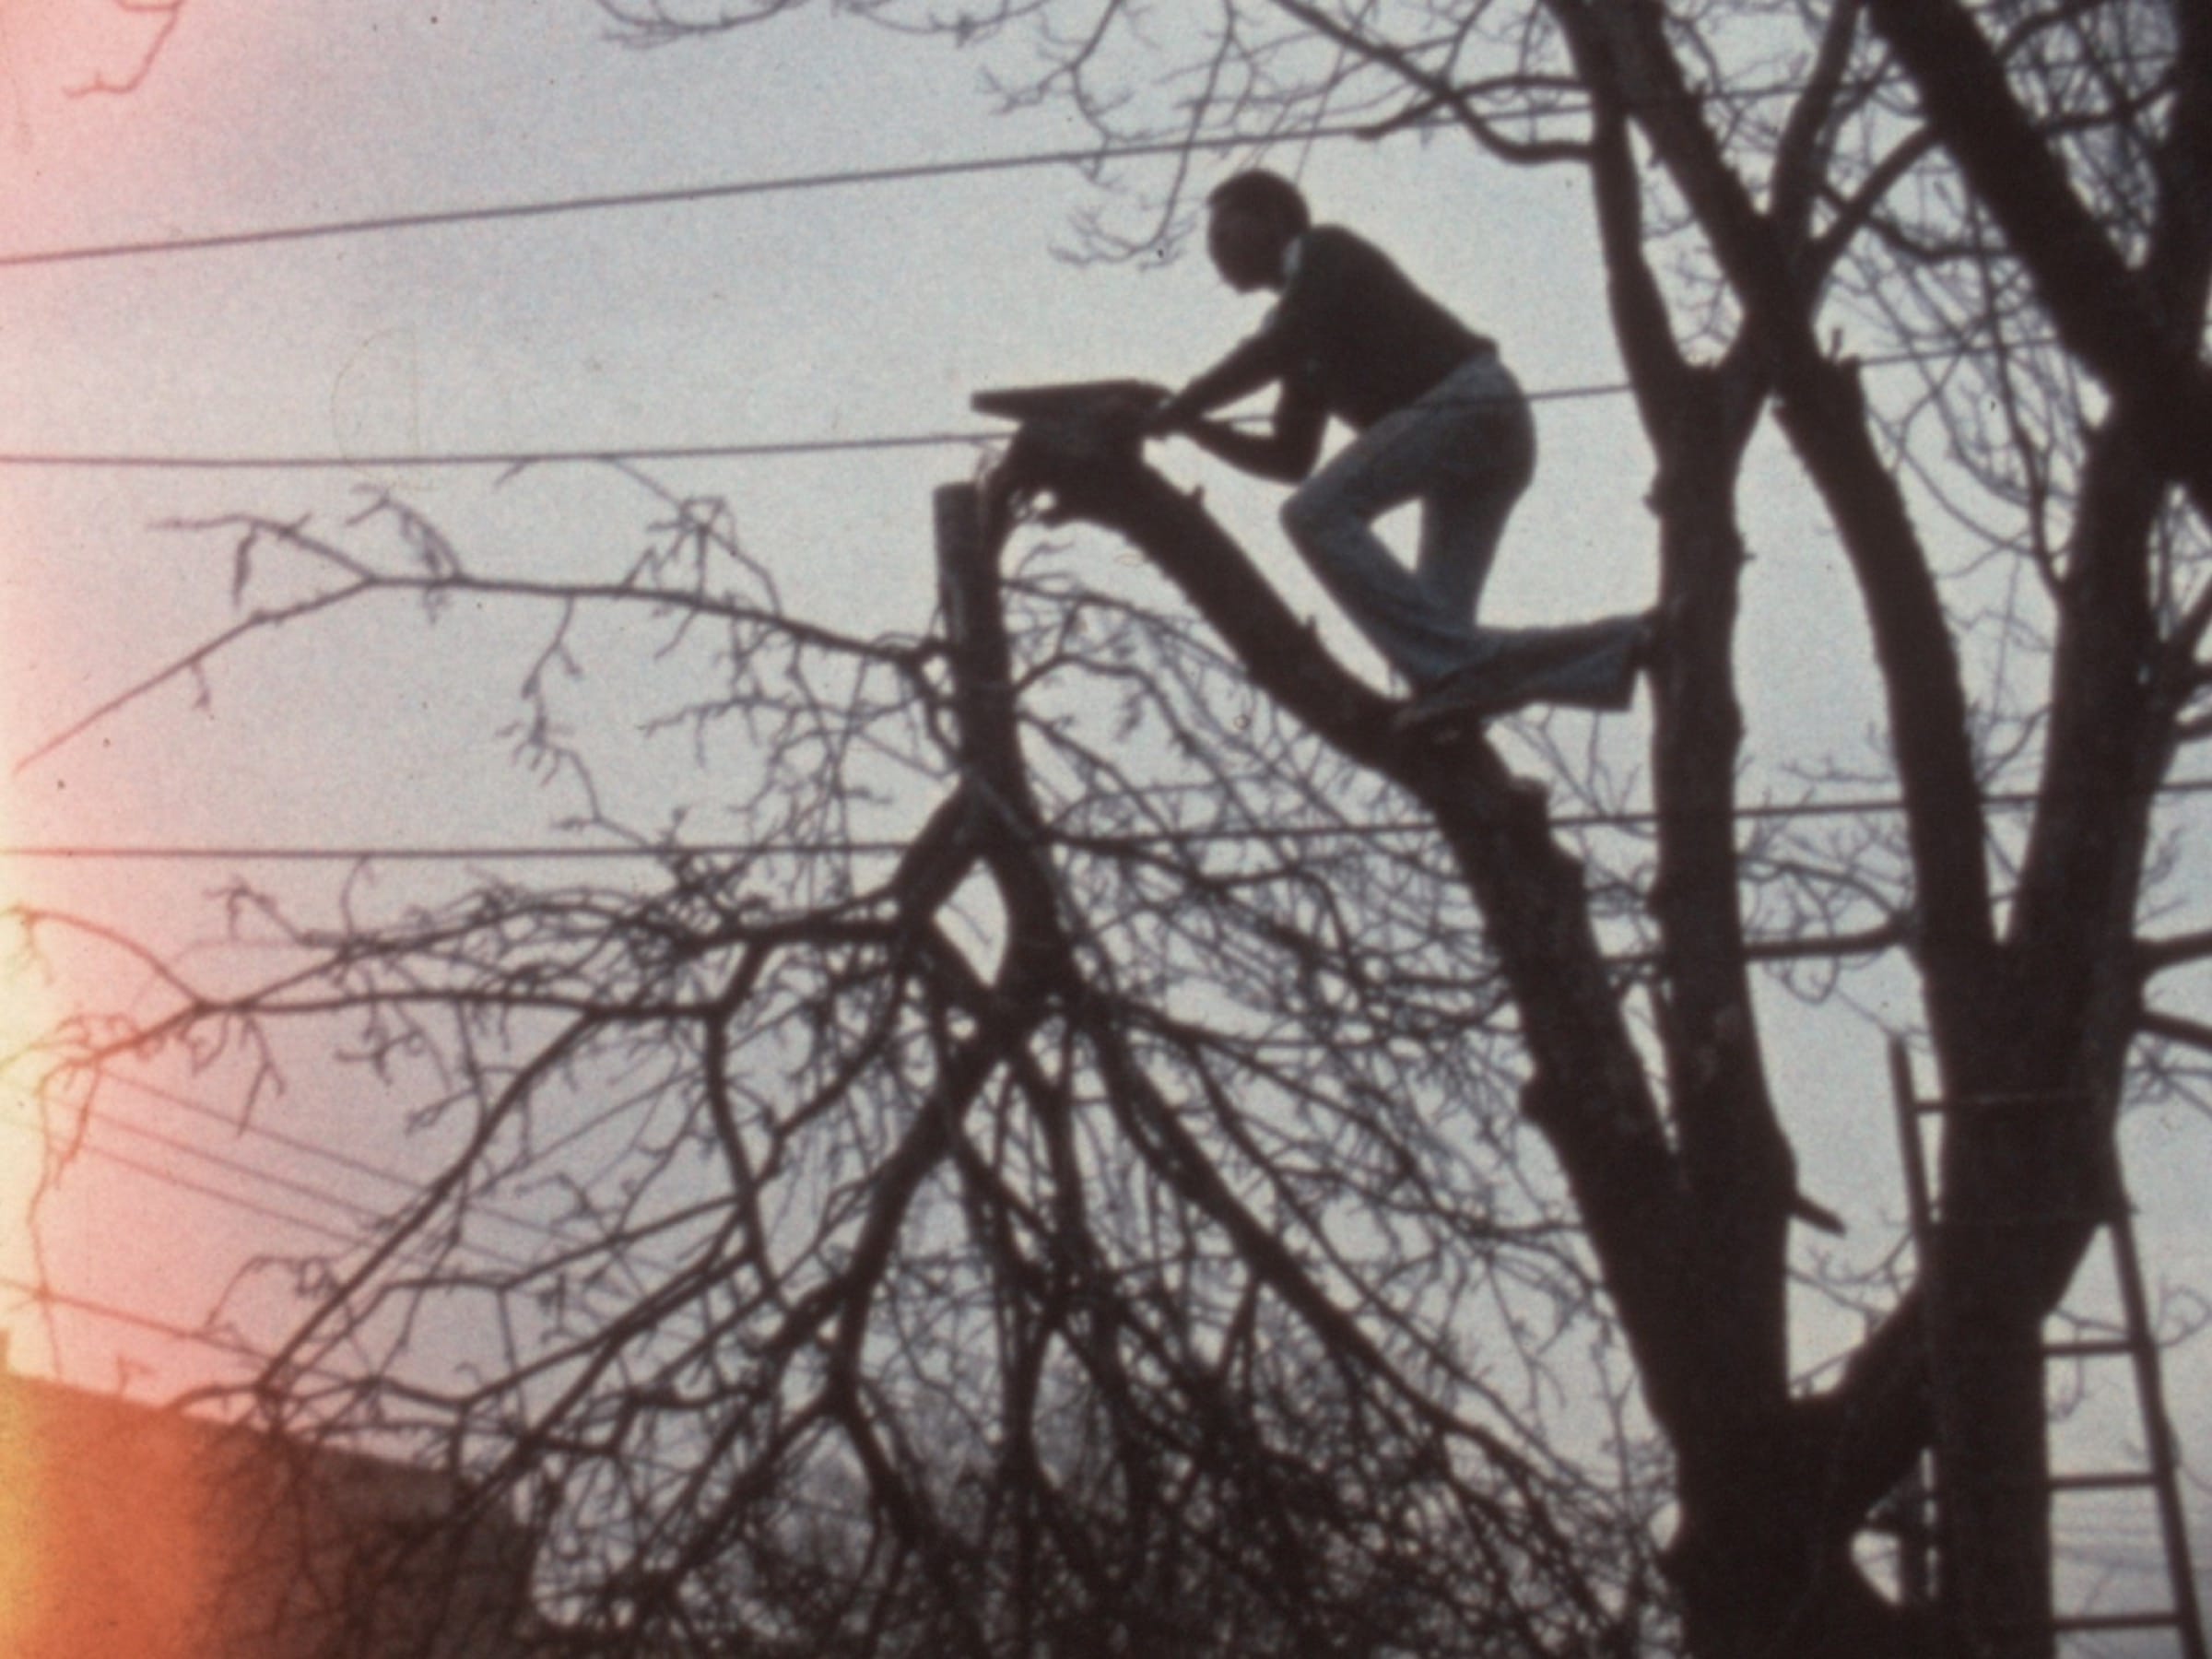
(1351, 333)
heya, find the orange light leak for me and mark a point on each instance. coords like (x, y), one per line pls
(23, 1490)
(108, 1539)
(24, 1479)
(66, 104)
(103, 1545)
(111, 1541)
(25, 1009)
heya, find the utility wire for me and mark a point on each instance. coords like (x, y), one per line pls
(81, 1122)
(46, 1296)
(478, 1208)
(728, 190)
(510, 459)
(222, 1195)
(291, 1143)
(761, 450)
(1087, 155)
(1850, 807)
(505, 459)
(365, 1215)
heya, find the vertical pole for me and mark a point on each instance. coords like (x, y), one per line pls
(1913, 1155)
(2158, 1428)
(1919, 1206)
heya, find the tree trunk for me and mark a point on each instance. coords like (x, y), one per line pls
(1996, 1590)
(1754, 1595)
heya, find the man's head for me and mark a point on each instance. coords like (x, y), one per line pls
(1256, 217)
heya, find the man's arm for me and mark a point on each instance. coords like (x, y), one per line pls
(1255, 363)
(1286, 450)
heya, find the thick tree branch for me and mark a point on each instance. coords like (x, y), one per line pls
(2131, 333)
(1735, 1157)
(2175, 951)
(1821, 410)
(1588, 1092)
(2176, 1027)
(1801, 153)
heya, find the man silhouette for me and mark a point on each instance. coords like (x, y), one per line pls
(1439, 421)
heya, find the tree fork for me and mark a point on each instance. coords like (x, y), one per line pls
(1764, 1549)
(1588, 1091)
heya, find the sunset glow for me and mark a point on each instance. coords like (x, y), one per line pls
(102, 1560)
(112, 1560)
(24, 1494)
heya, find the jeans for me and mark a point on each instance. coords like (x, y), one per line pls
(1465, 451)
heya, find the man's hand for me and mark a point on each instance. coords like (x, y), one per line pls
(1171, 416)
(1139, 403)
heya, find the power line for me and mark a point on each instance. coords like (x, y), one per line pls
(82, 1121)
(680, 195)
(293, 1143)
(755, 450)
(222, 1195)
(1848, 806)
(517, 853)
(477, 1208)
(505, 459)
(367, 1216)
(45, 1296)
(362, 1214)
(1087, 155)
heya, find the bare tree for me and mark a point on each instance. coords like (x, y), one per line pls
(1184, 1194)
(2016, 199)
(1061, 1229)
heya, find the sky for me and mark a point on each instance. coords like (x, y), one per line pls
(844, 313)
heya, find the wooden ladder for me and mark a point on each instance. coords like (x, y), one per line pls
(2136, 1343)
